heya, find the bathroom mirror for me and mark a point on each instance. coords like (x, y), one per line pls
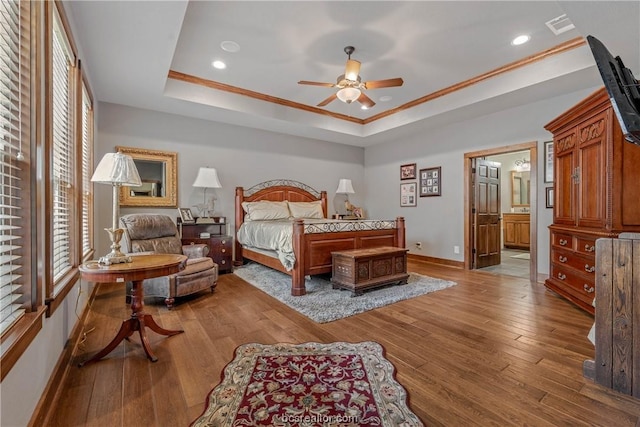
(158, 173)
(520, 183)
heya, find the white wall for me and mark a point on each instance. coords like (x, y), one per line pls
(242, 156)
(438, 222)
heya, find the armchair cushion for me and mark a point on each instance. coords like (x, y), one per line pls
(195, 250)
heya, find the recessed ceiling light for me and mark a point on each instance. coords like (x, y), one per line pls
(520, 40)
(385, 98)
(230, 46)
(364, 107)
(219, 65)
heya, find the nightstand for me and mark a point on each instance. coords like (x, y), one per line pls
(220, 244)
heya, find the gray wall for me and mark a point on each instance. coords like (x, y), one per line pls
(438, 222)
(242, 157)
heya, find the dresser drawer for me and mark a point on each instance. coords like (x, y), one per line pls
(586, 245)
(580, 284)
(562, 240)
(583, 263)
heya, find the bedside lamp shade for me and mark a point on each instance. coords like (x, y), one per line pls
(207, 178)
(345, 187)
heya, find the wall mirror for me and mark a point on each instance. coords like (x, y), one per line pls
(520, 183)
(158, 172)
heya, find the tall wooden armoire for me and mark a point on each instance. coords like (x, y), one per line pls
(596, 193)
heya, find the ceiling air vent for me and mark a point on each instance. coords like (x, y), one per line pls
(560, 24)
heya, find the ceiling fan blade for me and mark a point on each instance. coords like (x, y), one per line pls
(377, 84)
(328, 100)
(304, 82)
(365, 100)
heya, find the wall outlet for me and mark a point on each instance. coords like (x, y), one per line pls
(456, 249)
(419, 245)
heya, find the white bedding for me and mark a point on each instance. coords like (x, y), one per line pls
(277, 235)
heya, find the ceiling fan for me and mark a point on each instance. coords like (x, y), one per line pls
(351, 86)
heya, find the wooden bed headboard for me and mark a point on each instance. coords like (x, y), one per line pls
(277, 190)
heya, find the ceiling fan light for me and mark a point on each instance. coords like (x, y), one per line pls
(353, 70)
(348, 94)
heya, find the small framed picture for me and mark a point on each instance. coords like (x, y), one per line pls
(549, 197)
(408, 171)
(430, 181)
(548, 161)
(185, 215)
(408, 194)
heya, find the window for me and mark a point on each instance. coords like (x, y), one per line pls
(15, 160)
(87, 168)
(64, 148)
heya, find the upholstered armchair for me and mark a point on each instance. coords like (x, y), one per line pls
(154, 233)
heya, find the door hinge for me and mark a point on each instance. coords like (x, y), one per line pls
(473, 210)
(473, 251)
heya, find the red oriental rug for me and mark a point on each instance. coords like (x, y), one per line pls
(311, 384)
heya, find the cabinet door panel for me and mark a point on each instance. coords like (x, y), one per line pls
(592, 180)
(564, 185)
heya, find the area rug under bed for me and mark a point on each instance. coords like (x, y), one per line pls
(324, 304)
(311, 384)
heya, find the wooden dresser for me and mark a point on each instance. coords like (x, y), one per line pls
(515, 230)
(596, 193)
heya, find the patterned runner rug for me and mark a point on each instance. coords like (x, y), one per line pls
(311, 384)
(324, 304)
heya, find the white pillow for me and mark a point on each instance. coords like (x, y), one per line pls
(306, 209)
(265, 210)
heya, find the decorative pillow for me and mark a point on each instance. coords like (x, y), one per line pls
(306, 209)
(265, 210)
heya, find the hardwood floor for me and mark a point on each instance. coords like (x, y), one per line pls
(493, 350)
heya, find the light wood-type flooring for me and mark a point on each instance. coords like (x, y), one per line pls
(491, 351)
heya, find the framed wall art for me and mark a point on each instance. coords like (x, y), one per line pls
(549, 197)
(408, 171)
(185, 215)
(548, 161)
(430, 182)
(408, 194)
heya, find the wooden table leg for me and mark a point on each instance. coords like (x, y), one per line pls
(138, 321)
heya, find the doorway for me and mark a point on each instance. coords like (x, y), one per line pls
(512, 257)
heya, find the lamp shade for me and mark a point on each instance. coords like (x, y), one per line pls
(353, 70)
(117, 168)
(207, 178)
(345, 187)
(348, 94)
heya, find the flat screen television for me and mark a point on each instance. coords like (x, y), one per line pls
(623, 89)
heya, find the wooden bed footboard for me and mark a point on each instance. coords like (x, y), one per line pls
(312, 249)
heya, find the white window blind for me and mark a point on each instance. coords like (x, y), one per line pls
(87, 161)
(63, 152)
(14, 133)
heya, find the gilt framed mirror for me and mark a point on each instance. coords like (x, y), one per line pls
(159, 175)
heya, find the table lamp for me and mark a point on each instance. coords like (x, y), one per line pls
(345, 187)
(116, 169)
(207, 178)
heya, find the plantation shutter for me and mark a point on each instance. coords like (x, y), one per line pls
(87, 142)
(63, 152)
(14, 133)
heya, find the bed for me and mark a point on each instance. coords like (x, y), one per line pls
(312, 240)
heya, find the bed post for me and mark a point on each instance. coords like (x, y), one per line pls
(325, 208)
(297, 274)
(400, 232)
(238, 260)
